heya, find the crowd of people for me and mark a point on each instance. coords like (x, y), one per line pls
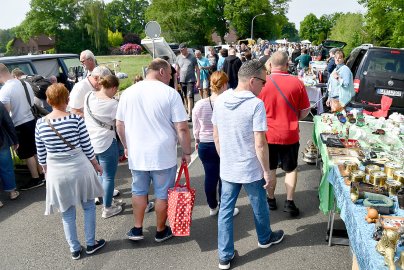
(245, 126)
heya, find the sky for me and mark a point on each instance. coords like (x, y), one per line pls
(13, 13)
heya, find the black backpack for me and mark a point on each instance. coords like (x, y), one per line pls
(39, 84)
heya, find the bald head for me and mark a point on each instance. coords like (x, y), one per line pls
(279, 60)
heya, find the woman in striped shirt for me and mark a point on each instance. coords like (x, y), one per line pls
(204, 143)
(67, 157)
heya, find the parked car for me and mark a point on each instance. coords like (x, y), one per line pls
(66, 67)
(377, 71)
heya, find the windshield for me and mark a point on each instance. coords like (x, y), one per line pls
(386, 61)
(74, 67)
(333, 44)
(25, 67)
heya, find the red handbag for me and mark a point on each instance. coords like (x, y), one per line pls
(181, 200)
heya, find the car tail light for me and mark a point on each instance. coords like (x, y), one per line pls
(356, 84)
(395, 52)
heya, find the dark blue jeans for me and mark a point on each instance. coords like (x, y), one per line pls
(7, 176)
(211, 164)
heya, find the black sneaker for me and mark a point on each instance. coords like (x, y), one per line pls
(272, 203)
(275, 238)
(135, 234)
(291, 208)
(33, 183)
(100, 244)
(163, 235)
(226, 264)
(76, 254)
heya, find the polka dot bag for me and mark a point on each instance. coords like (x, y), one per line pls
(181, 199)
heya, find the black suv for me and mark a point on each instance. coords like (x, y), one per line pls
(377, 71)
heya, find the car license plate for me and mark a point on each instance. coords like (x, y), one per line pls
(388, 92)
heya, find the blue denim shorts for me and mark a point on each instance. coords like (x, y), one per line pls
(162, 181)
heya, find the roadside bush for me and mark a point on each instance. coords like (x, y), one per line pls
(115, 39)
(115, 51)
(131, 48)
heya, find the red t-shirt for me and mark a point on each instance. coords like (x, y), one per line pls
(282, 121)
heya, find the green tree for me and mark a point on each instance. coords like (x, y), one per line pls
(96, 25)
(127, 16)
(5, 36)
(115, 39)
(384, 22)
(290, 32)
(181, 20)
(309, 28)
(350, 29)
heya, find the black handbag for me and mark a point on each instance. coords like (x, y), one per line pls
(36, 110)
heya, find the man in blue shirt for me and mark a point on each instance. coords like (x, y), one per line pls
(204, 67)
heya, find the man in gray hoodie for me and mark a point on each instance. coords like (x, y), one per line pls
(239, 125)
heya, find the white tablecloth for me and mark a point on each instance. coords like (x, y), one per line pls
(315, 98)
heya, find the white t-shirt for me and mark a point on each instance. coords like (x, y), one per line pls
(105, 111)
(78, 93)
(149, 110)
(13, 93)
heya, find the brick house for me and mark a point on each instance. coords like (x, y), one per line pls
(36, 45)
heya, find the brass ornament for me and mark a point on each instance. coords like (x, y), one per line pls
(378, 178)
(390, 167)
(387, 246)
(371, 168)
(398, 175)
(357, 176)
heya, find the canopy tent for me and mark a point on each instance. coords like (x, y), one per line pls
(305, 42)
(281, 41)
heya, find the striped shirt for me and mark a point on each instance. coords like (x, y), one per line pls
(71, 127)
(202, 121)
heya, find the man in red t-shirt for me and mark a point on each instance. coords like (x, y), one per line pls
(286, 102)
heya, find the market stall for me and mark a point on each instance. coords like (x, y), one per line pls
(363, 156)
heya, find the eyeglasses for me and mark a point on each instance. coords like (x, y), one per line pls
(82, 61)
(262, 80)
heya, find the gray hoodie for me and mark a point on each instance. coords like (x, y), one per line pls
(237, 115)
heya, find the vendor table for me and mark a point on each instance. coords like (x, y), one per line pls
(333, 188)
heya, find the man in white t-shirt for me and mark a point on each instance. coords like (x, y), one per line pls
(239, 125)
(80, 89)
(150, 121)
(15, 100)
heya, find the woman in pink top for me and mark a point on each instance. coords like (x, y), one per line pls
(203, 133)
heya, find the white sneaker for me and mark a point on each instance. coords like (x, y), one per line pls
(108, 212)
(236, 211)
(116, 193)
(213, 212)
(149, 207)
(97, 201)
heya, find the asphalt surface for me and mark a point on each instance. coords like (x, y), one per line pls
(30, 240)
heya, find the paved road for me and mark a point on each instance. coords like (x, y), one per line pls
(30, 240)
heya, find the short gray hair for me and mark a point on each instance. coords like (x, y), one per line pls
(250, 69)
(88, 54)
(279, 59)
(101, 71)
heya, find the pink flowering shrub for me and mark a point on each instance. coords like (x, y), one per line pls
(131, 48)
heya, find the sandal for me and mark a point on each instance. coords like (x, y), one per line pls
(14, 194)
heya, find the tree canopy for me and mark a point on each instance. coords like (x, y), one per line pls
(384, 22)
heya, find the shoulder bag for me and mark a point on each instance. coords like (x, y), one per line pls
(284, 97)
(59, 135)
(99, 122)
(37, 111)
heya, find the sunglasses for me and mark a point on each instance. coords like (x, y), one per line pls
(262, 80)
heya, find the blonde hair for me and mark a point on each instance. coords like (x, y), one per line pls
(217, 80)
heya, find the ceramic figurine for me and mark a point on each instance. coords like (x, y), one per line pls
(372, 216)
